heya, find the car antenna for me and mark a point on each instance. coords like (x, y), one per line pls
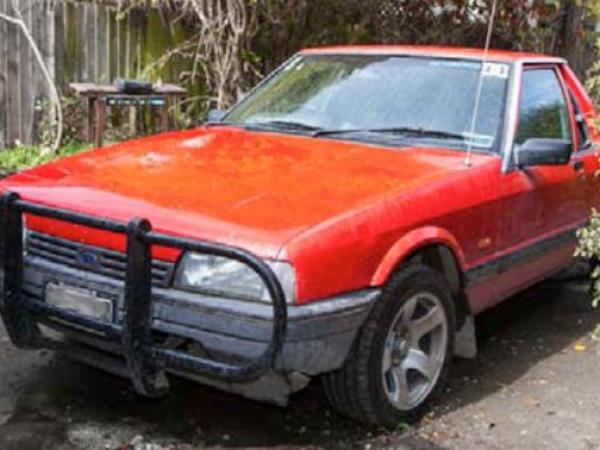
(488, 40)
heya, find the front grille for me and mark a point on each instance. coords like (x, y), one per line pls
(106, 262)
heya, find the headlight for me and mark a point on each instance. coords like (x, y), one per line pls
(224, 277)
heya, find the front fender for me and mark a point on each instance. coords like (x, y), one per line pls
(409, 244)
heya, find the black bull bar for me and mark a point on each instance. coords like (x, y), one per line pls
(146, 362)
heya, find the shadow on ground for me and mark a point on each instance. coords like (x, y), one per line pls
(55, 404)
(520, 333)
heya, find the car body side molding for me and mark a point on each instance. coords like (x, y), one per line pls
(522, 255)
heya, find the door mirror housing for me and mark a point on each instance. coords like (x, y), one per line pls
(216, 115)
(543, 152)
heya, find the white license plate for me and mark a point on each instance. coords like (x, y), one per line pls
(81, 301)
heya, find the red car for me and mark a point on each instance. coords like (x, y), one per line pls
(345, 220)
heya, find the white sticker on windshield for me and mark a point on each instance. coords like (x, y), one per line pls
(495, 70)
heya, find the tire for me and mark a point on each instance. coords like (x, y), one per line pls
(363, 388)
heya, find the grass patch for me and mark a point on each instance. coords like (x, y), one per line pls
(20, 158)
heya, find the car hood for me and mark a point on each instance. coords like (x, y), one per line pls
(249, 189)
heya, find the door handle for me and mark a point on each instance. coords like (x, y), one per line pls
(577, 165)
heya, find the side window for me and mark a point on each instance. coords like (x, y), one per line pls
(543, 112)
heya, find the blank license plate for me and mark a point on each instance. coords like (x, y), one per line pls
(81, 301)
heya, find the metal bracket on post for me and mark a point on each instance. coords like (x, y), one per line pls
(22, 330)
(148, 378)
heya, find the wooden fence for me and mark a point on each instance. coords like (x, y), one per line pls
(80, 41)
(21, 82)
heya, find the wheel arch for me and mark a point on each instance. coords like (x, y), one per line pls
(435, 248)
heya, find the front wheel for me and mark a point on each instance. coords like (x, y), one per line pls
(402, 354)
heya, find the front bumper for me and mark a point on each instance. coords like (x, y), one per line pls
(239, 346)
(318, 336)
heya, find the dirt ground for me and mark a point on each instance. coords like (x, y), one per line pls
(534, 385)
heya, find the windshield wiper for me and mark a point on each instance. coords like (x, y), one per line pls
(268, 125)
(423, 132)
(219, 123)
(284, 125)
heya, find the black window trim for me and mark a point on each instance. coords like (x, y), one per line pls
(580, 122)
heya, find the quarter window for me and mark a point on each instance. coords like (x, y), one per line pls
(543, 113)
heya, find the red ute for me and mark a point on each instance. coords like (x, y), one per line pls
(346, 219)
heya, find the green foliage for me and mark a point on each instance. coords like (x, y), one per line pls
(20, 158)
(592, 5)
(589, 248)
(520, 24)
(73, 112)
(589, 236)
(592, 83)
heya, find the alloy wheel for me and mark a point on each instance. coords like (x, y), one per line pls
(415, 351)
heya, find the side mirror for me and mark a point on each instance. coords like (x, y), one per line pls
(216, 115)
(543, 152)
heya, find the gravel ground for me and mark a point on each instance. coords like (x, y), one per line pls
(534, 385)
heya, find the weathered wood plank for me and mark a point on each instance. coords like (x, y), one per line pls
(56, 58)
(26, 68)
(13, 81)
(102, 66)
(3, 84)
(69, 44)
(127, 62)
(39, 32)
(110, 39)
(119, 45)
(80, 32)
(138, 54)
(88, 41)
(39, 89)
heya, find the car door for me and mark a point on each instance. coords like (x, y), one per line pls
(550, 197)
(585, 159)
(541, 204)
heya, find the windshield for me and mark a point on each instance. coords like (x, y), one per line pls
(373, 97)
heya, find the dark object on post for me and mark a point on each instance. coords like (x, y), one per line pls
(543, 152)
(133, 87)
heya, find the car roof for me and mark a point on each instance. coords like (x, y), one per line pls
(439, 52)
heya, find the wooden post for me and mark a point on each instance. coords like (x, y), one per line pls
(164, 115)
(89, 121)
(100, 106)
